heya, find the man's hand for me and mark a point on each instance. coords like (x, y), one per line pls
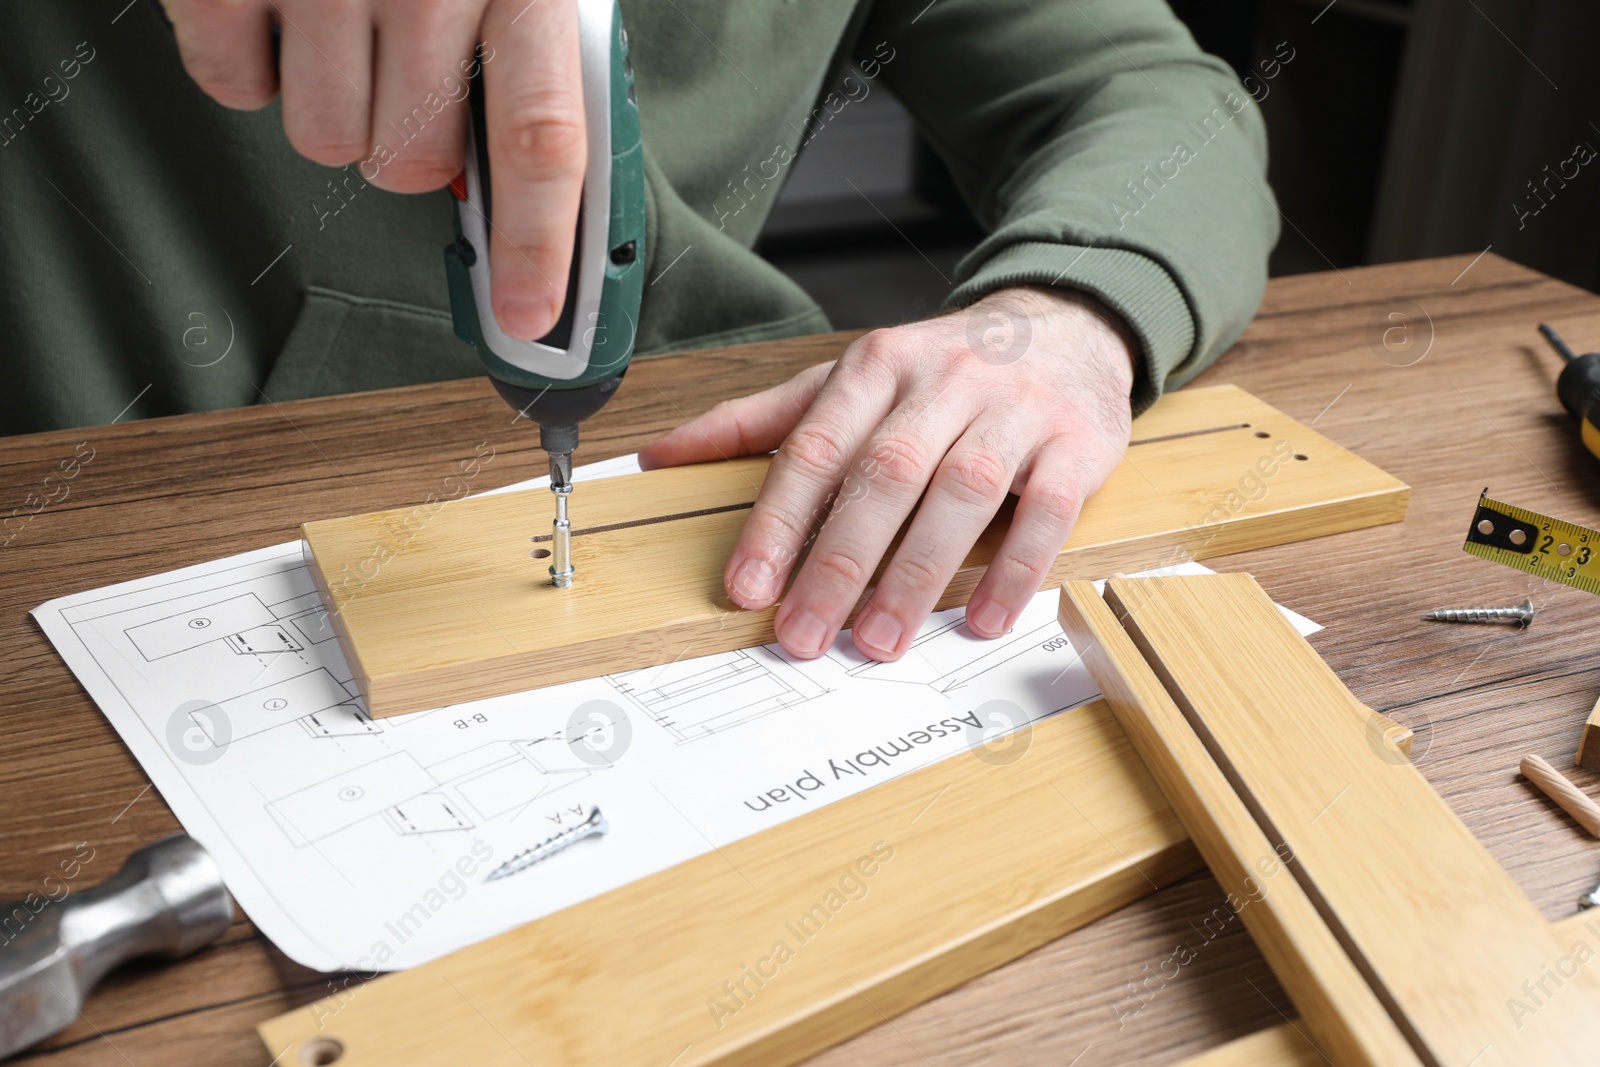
(382, 83)
(1025, 391)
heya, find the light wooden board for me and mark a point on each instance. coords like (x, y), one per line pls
(1286, 1045)
(986, 859)
(1278, 1046)
(1340, 1010)
(441, 603)
(1442, 934)
(992, 858)
(1588, 756)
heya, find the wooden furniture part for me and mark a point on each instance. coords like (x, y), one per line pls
(988, 861)
(1588, 756)
(1443, 935)
(1479, 409)
(1286, 1044)
(439, 605)
(1348, 1022)
(770, 949)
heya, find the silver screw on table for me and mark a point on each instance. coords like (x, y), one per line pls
(1522, 614)
(594, 824)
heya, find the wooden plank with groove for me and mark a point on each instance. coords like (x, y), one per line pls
(1071, 830)
(1349, 1023)
(1443, 935)
(1286, 1044)
(440, 603)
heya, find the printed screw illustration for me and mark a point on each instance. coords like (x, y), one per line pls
(594, 824)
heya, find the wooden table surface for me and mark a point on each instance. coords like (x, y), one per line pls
(1478, 409)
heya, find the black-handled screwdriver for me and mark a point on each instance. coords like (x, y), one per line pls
(1578, 389)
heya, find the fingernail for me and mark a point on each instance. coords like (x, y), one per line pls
(804, 633)
(988, 619)
(755, 583)
(524, 320)
(879, 630)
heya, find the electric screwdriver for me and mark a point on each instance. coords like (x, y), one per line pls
(569, 374)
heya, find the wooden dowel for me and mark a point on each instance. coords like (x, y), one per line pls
(1572, 800)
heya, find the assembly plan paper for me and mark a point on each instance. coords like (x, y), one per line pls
(363, 844)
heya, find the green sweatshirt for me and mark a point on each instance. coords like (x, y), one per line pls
(162, 254)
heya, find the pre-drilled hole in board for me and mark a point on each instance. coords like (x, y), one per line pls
(1262, 433)
(540, 553)
(1301, 455)
(321, 1051)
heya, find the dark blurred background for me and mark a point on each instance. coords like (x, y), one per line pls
(1401, 129)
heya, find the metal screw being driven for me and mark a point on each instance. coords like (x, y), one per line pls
(1522, 614)
(561, 568)
(594, 824)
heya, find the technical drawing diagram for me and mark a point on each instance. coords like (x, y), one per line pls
(213, 622)
(263, 640)
(341, 720)
(242, 624)
(696, 698)
(336, 803)
(500, 777)
(329, 825)
(430, 813)
(485, 783)
(313, 624)
(946, 655)
(315, 695)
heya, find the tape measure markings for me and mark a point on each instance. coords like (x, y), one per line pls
(1538, 544)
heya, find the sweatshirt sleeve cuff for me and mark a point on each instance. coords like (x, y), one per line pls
(1134, 286)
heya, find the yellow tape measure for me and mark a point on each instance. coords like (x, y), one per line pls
(1551, 548)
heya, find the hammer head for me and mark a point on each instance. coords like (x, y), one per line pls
(168, 898)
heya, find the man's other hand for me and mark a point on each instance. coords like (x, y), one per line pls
(1024, 392)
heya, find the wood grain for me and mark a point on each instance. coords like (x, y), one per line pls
(1286, 1044)
(440, 605)
(1442, 933)
(1479, 409)
(770, 949)
(1339, 1009)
